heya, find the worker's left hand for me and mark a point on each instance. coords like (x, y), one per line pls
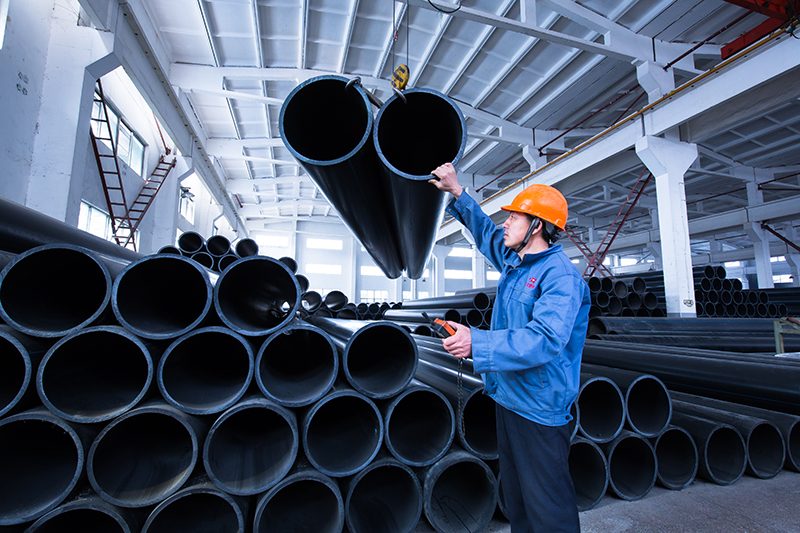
(460, 344)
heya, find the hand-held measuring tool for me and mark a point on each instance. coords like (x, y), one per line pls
(439, 326)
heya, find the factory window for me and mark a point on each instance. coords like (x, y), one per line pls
(94, 221)
(457, 274)
(782, 278)
(371, 271)
(324, 244)
(369, 296)
(130, 148)
(460, 252)
(777, 259)
(732, 264)
(315, 268)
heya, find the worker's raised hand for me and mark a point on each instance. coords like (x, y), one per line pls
(447, 180)
(460, 344)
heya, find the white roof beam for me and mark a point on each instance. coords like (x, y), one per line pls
(387, 45)
(348, 35)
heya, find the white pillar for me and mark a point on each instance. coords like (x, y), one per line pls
(478, 268)
(793, 259)
(439, 253)
(760, 238)
(655, 80)
(668, 161)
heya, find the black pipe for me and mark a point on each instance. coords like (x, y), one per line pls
(170, 249)
(251, 446)
(607, 284)
(297, 365)
(575, 413)
(57, 289)
(303, 282)
(41, 460)
(347, 314)
(204, 259)
(205, 371)
(378, 358)
(763, 441)
(677, 458)
(328, 128)
(479, 301)
(647, 403)
(459, 493)
(218, 245)
(20, 356)
(290, 263)
(311, 301)
(419, 425)
(145, 455)
(602, 408)
(200, 506)
(789, 425)
(413, 135)
(415, 315)
(191, 242)
(682, 325)
(162, 297)
(473, 318)
(633, 300)
(256, 296)
(595, 284)
(746, 343)
(222, 263)
(342, 433)
(631, 465)
(88, 513)
(22, 228)
(614, 305)
(304, 497)
(721, 449)
(95, 374)
(246, 247)
(588, 468)
(385, 496)
(335, 300)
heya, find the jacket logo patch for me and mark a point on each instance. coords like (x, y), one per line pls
(531, 283)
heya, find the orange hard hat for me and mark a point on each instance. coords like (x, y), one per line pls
(541, 201)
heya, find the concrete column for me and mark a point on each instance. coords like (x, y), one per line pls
(760, 238)
(793, 259)
(478, 268)
(668, 161)
(655, 250)
(440, 253)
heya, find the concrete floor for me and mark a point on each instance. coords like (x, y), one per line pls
(748, 506)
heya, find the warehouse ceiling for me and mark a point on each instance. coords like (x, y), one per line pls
(533, 78)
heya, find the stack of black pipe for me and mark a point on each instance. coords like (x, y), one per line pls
(618, 297)
(215, 254)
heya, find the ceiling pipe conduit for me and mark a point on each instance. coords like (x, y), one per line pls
(326, 123)
(677, 458)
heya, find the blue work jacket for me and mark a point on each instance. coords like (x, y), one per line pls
(530, 359)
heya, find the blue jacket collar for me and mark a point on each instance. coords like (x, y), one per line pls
(514, 260)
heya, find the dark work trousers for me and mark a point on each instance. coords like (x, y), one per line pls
(534, 470)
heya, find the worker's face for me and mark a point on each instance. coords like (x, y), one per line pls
(514, 229)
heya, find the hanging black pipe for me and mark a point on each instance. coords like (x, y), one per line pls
(342, 433)
(251, 446)
(479, 301)
(475, 417)
(305, 496)
(327, 126)
(199, 506)
(256, 296)
(297, 365)
(677, 458)
(205, 371)
(721, 449)
(385, 496)
(20, 356)
(647, 402)
(42, 458)
(763, 441)
(789, 425)
(419, 425)
(22, 228)
(459, 492)
(768, 385)
(191, 242)
(56, 289)
(378, 358)
(95, 374)
(88, 513)
(145, 455)
(415, 315)
(588, 468)
(413, 135)
(602, 408)
(631, 465)
(162, 297)
(246, 247)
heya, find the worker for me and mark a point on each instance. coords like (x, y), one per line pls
(530, 359)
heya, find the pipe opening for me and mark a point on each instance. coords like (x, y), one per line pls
(307, 502)
(297, 366)
(648, 406)
(386, 499)
(200, 512)
(15, 377)
(480, 425)
(95, 375)
(793, 446)
(602, 410)
(343, 435)
(129, 462)
(474, 318)
(52, 291)
(83, 520)
(725, 455)
(225, 261)
(162, 297)
(416, 128)
(341, 118)
(40, 463)
(250, 450)
(191, 242)
(206, 371)
(765, 451)
(246, 247)
(676, 455)
(639, 285)
(589, 472)
(203, 259)
(218, 245)
(420, 428)
(257, 295)
(632, 468)
(311, 301)
(462, 498)
(381, 360)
